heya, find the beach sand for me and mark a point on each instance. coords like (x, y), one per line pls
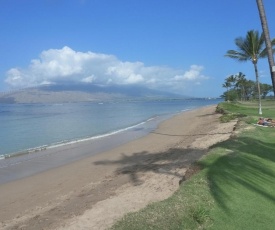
(94, 192)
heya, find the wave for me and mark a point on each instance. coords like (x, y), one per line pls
(32, 151)
(69, 142)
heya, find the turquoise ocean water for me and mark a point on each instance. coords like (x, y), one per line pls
(30, 127)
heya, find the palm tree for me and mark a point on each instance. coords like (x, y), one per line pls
(226, 85)
(250, 48)
(240, 81)
(231, 80)
(249, 89)
(268, 42)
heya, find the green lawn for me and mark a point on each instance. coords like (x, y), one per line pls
(234, 190)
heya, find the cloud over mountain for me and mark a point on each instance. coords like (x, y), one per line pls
(66, 65)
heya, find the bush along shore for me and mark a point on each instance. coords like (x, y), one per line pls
(232, 187)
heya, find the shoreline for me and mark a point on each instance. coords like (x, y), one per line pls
(157, 119)
(19, 166)
(72, 141)
(50, 125)
(93, 192)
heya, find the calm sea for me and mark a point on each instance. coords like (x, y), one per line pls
(28, 127)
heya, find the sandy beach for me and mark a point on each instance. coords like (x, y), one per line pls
(95, 191)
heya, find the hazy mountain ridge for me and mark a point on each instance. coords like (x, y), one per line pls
(61, 93)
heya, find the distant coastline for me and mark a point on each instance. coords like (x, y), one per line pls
(85, 93)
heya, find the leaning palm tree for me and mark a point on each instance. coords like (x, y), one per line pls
(268, 42)
(250, 48)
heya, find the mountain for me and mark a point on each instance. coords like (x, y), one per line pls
(62, 93)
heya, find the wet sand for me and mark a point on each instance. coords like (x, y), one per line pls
(92, 192)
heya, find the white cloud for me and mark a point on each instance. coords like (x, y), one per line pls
(65, 64)
(89, 79)
(193, 74)
(126, 72)
(60, 63)
(14, 76)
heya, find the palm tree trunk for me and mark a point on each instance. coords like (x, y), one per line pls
(267, 42)
(258, 85)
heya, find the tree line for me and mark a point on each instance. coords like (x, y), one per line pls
(239, 88)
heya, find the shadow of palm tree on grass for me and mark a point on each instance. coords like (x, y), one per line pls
(249, 168)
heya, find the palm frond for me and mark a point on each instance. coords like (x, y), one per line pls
(251, 47)
(237, 55)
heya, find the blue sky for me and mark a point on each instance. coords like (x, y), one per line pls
(174, 45)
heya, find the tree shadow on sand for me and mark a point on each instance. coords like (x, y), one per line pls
(168, 162)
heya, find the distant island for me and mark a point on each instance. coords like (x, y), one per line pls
(60, 93)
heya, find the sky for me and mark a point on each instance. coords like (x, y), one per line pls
(176, 46)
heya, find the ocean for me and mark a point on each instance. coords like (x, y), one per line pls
(31, 127)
